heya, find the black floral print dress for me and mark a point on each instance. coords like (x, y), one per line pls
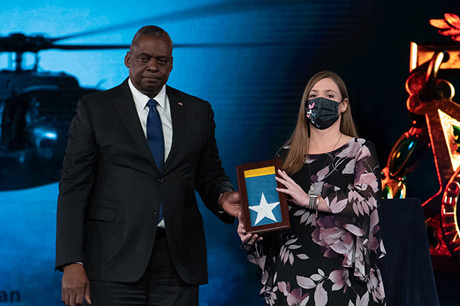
(332, 259)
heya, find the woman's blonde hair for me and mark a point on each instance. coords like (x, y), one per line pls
(298, 142)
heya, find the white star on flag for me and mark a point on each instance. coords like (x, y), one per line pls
(264, 209)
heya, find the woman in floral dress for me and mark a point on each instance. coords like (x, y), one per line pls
(332, 180)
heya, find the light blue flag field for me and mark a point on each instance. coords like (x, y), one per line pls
(263, 199)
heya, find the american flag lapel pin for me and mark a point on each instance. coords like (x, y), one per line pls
(180, 103)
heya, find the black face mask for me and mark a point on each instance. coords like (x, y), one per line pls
(322, 112)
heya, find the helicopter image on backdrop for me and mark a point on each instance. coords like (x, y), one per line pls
(35, 111)
(36, 107)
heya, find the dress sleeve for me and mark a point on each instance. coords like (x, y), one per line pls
(354, 212)
(360, 196)
(264, 253)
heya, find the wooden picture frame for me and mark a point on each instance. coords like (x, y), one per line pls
(263, 208)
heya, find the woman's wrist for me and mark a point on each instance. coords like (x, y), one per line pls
(306, 202)
(313, 202)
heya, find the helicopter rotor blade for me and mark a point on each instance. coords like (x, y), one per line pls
(228, 7)
(89, 47)
(20, 43)
(198, 45)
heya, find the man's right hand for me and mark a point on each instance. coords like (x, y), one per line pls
(75, 285)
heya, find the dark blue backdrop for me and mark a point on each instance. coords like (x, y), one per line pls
(254, 82)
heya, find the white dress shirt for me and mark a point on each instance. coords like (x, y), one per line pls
(140, 100)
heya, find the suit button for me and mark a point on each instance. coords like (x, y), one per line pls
(161, 180)
(155, 212)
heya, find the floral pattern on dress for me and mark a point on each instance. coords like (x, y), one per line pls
(332, 259)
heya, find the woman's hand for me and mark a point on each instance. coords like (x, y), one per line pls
(245, 237)
(297, 194)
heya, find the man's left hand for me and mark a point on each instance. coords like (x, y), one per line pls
(230, 202)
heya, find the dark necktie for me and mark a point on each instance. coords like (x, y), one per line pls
(155, 139)
(155, 134)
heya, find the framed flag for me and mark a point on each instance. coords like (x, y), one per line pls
(264, 209)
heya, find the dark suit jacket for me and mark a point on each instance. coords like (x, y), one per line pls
(111, 189)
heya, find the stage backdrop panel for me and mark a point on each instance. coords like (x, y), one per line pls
(251, 60)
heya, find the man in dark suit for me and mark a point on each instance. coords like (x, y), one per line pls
(129, 231)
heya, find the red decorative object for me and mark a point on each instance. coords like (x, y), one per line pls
(449, 26)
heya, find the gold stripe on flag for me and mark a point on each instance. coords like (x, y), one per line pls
(259, 172)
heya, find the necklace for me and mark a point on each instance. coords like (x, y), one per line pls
(315, 189)
(312, 187)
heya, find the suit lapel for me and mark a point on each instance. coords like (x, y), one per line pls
(124, 105)
(178, 115)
